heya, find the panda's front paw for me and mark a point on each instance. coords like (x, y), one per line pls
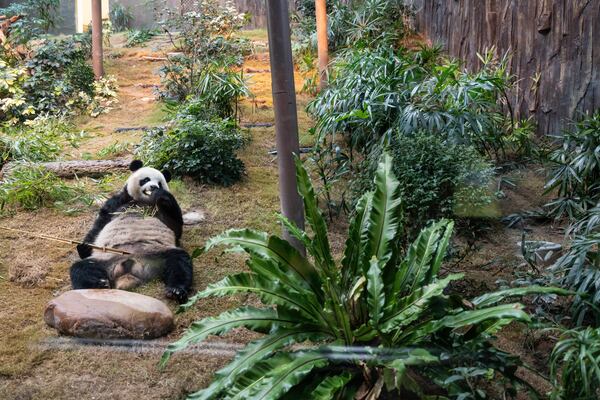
(84, 251)
(178, 294)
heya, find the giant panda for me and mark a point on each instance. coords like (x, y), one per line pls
(145, 220)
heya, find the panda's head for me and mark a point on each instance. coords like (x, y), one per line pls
(144, 181)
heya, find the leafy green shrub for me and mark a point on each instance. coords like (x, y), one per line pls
(37, 18)
(368, 23)
(120, 17)
(437, 178)
(376, 94)
(575, 365)
(13, 104)
(137, 37)
(204, 150)
(575, 175)
(579, 268)
(29, 186)
(204, 44)
(379, 320)
(58, 72)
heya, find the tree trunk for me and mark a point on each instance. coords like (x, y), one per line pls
(97, 38)
(70, 169)
(322, 43)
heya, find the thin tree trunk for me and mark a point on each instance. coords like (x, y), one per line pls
(97, 39)
(322, 42)
(286, 116)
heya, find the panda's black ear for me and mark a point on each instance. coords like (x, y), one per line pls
(135, 165)
(167, 175)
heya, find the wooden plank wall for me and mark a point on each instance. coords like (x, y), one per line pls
(555, 40)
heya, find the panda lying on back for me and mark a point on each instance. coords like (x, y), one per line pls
(145, 220)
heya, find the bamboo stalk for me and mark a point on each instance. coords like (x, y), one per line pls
(68, 241)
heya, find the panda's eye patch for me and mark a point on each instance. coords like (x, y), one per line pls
(160, 185)
(144, 181)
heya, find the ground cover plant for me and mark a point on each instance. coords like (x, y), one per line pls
(45, 138)
(29, 187)
(377, 322)
(137, 37)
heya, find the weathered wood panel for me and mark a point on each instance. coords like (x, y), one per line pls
(555, 47)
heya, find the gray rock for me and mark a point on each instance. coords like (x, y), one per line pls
(108, 314)
(193, 217)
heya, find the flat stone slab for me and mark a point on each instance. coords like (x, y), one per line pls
(109, 314)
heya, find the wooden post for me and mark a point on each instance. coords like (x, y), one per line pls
(286, 117)
(322, 42)
(97, 38)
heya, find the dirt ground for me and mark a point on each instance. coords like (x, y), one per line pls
(33, 271)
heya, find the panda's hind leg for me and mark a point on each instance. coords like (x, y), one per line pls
(90, 274)
(177, 274)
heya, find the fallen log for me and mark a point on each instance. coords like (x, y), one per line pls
(70, 169)
(153, 59)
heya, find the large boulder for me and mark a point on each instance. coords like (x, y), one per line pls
(108, 314)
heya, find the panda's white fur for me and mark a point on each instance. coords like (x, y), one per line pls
(153, 179)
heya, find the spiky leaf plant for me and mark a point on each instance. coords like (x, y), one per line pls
(378, 321)
(575, 365)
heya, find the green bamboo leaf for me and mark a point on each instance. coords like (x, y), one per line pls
(249, 317)
(330, 386)
(315, 219)
(375, 290)
(385, 215)
(252, 354)
(271, 247)
(490, 299)
(273, 377)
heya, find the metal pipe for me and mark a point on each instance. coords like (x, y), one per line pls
(322, 42)
(97, 39)
(286, 118)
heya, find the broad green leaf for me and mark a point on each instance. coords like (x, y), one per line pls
(330, 386)
(315, 219)
(269, 291)
(385, 215)
(375, 290)
(353, 251)
(513, 312)
(249, 317)
(419, 262)
(411, 307)
(271, 247)
(414, 358)
(253, 353)
(490, 299)
(440, 252)
(273, 377)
